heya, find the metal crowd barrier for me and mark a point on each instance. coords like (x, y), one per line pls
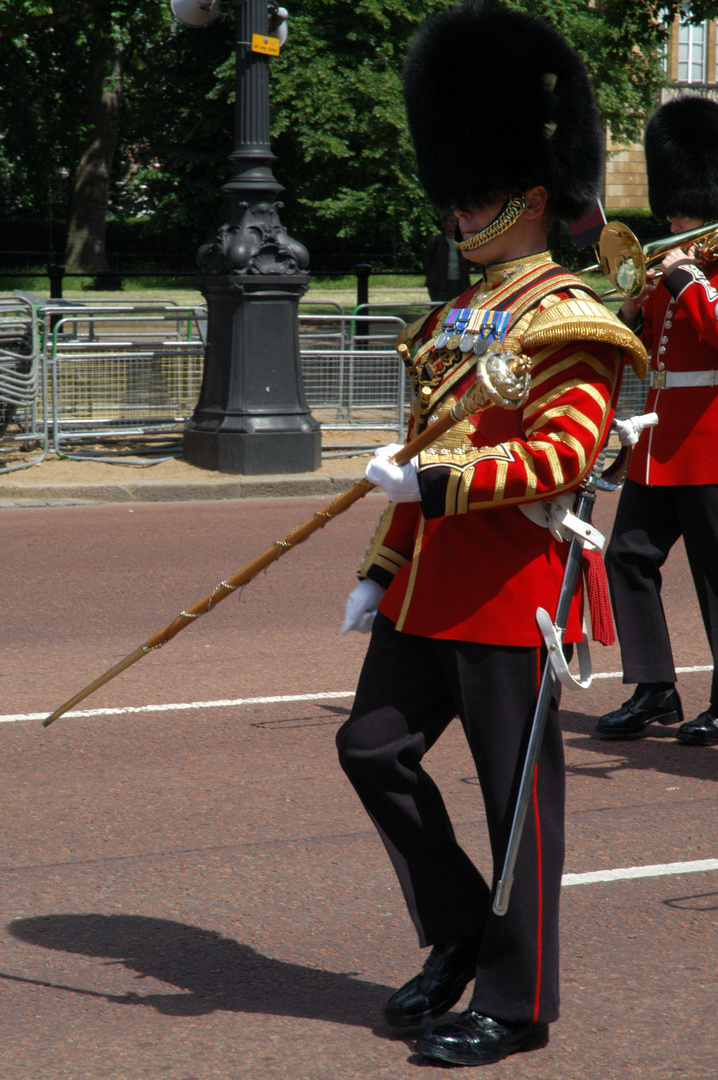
(353, 377)
(119, 373)
(122, 373)
(22, 389)
(632, 399)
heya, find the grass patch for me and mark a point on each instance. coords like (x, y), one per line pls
(182, 289)
(334, 282)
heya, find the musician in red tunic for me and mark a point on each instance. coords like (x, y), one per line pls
(457, 568)
(672, 486)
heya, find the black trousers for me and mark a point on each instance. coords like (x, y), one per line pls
(649, 521)
(409, 690)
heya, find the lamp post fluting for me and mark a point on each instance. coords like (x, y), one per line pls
(252, 416)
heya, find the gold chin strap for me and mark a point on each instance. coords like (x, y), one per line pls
(509, 216)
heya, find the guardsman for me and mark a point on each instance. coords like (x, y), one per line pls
(505, 130)
(672, 486)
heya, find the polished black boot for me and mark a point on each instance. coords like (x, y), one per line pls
(474, 1039)
(438, 986)
(650, 703)
(703, 731)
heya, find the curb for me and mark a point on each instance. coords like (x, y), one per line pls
(259, 487)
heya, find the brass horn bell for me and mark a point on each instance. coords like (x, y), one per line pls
(625, 262)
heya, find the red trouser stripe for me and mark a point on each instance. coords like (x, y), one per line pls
(539, 872)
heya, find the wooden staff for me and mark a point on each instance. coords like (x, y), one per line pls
(501, 379)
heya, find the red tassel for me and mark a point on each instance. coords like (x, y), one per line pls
(599, 601)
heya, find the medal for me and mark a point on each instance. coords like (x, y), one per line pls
(492, 327)
(483, 337)
(445, 334)
(472, 335)
(461, 321)
(468, 329)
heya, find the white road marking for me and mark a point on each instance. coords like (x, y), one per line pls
(591, 878)
(619, 674)
(627, 873)
(181, 706)
(10, 718)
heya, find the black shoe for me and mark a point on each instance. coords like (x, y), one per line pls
(635, 716)
(703, 731)
(478, 1040)
(438, 986)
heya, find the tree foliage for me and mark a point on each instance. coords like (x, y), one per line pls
(338, 126)
(338, 114)
(338, 118)
(59, 131)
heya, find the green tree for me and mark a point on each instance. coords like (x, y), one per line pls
(62, 134)
(150, 139)
(39, 137)
(338, 115)
(176, 133)
(339, 126)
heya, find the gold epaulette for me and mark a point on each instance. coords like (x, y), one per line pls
(584, 319)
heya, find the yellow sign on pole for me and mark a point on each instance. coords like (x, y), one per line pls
(267, 45)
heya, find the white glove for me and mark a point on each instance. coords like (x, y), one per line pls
(362, 604)
(629, 430)
(400, 482)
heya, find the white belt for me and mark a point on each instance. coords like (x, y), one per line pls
(665, 380)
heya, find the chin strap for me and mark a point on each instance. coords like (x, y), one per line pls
(510, 214)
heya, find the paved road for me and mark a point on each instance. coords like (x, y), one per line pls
(189, 889)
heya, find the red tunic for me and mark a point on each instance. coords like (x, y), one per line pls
(466, 563)
(680, 330)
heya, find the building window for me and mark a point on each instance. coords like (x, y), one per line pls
(692, 52)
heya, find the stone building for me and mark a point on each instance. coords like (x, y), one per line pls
(691, 66)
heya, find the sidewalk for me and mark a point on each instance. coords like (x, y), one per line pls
(59, 480)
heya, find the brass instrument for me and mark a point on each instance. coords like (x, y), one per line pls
(625, 262)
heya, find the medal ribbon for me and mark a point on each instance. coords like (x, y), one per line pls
(489, 324)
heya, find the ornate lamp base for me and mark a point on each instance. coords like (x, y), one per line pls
(252, 417)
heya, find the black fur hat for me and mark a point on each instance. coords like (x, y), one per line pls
(497, 101)
(682, 159)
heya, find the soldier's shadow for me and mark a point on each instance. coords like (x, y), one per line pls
(211, 971)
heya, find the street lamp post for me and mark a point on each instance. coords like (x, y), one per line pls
(252, 416)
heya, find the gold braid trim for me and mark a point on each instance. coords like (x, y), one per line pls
(575, 445)
(584, 320)
(418, 543)
(541, 371)
(509, 216)
(429, 395)
(378, 552)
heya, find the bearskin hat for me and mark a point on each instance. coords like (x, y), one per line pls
(682, 159)
(497, 101)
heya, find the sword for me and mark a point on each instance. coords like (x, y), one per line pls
(596, 480)
(502, 379)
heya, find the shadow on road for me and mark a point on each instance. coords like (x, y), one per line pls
(658, 751)
(213, 972)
